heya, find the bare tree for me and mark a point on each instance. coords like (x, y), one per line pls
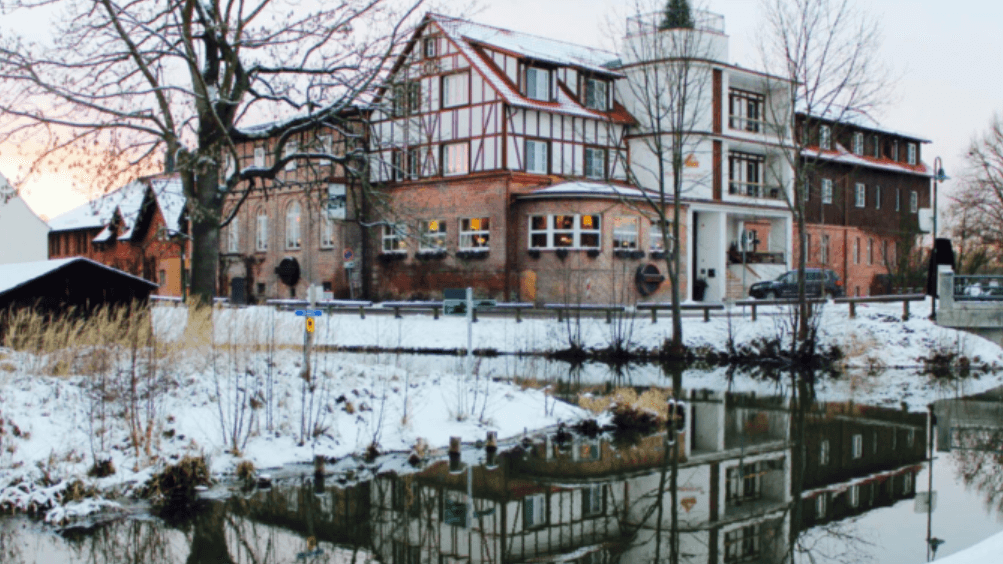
(976, 215)
(116, 87)
(668, 90)
(825, 53)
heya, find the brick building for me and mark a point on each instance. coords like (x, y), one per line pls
(132, 229)
(868, 187)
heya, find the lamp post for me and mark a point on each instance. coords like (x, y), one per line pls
(938, 176)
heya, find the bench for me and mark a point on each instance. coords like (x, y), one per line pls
(561, 308)
(904, 298)
(654, 307)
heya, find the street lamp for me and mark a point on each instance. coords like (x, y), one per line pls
(938, 176)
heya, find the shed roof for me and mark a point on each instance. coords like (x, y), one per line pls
(19, 274)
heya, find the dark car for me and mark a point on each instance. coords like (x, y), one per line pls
(818, 283)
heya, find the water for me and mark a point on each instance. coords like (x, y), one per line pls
(731, 482)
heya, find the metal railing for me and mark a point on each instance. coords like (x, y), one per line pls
(739, 123)
(754, 190)
(651, 22)
(978, 288)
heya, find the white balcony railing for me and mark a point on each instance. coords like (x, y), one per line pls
(642, 24)
(754, 190)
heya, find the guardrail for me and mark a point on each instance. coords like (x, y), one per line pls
(654, 307)
(978, 288)
(904, 298)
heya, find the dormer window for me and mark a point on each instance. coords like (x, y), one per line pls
(596, 94)
(877, 147)
(911, 153)
(858, 143)
(825, 138)
(428, 48)
(538, 84)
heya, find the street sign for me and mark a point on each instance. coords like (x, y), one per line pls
(349, 264)
(348, 254)
(309, 325)
(309, 312)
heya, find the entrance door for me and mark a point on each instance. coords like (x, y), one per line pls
(238, 291)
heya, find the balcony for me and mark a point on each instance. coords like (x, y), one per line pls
(754, 190)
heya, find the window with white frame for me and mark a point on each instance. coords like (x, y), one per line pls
(564, 231)
(592, 501)
(823, 453)
(858, 143)
(337, 201)
(538, 84)
(854, 496)
(742, 544)
(856, 251)
(820, 506)
(534, 511)
(913, 202)
(877, 197)
(326, 232)
(233, 243)
(876, 145)
(432, 234)
(395, 238)
(595, 94)
(911, 153)
(595, 163)
(825, 137)
(824, 250)
(536, 156)
(293, 217)
(259, 157)
(261, 235)
(455, 159)
(826, 190)
(290, 148)
(858, 446)
(430, 47)
(625, 232)
(475, 233)
(656, 242)
(861, 195)
(870, 251)
(455, 89)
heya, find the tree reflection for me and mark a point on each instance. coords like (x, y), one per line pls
(979, 463)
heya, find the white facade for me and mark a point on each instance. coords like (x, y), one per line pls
(24, 237)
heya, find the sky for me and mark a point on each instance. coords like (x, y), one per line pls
(945, 54)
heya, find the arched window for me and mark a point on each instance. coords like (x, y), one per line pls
(293, 226)
(233, 244)
(261, 235)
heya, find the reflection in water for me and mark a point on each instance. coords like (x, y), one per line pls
(752, 478)
(972, 428)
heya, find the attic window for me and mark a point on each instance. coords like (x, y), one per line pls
(429, 47)
(595, 94)
(538, 84)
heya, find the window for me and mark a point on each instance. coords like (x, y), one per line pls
(587, 451)
(261, 237)
(858, 446)
(912, 438)
(884, 251)
(858, 143)
(745, 110)
(293, 240)
(595, 163)
(534, 511)
(823, 453)
(538, 84)
(861, 192)
(823, 251)
(907, 484)
(536, 157)
(326, 144)
(394, 238)
(898, 199)
(337, 201)
(911, 153)
(913, 202)
(454, 159)
(454, 508)
(595, 94)
(825, 137)
(877, 197)
(429, 50)
(433, 235)
(407, 98)
(592, 501)
(290, 148)
(162, 277)
(475, 233)
(854, 496)
(870, 251)
(233, 244)
(743, 483)
(564, 231)
(259, 157)
(656, 243)
(625, 232)
(455, 89)
(826, 190)
(745, 175)
(742, 544)
(261, 289)
(405, 553)
(404, 164)
(876, 143)
(326, 232)
(405, 495)
(856, 251)
(820, 506)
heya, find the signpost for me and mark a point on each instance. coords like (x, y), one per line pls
(308, 314)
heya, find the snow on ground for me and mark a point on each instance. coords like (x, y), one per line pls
(989, 551)
(877, 338)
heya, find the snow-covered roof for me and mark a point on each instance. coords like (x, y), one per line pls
(864, 122)
(127, 202)
(464, 34)
(840, 155)
(593, 189)
(15, 275)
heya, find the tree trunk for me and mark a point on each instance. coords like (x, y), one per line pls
(205, 233)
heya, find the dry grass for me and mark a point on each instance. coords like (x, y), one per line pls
(653, 400)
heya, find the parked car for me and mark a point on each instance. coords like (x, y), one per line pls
(818, 283)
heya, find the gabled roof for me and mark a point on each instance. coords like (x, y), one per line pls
(469, 37)
(18, 274)
(126, 203)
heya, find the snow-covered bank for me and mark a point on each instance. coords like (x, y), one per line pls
(989, 551)
(876, 338)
